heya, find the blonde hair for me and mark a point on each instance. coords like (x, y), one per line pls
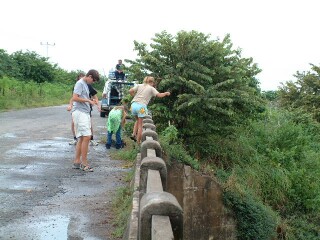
(148, 79)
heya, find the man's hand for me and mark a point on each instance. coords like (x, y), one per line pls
(69, 107)
(92, 102)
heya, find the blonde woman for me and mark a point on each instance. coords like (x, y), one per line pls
(142, 93)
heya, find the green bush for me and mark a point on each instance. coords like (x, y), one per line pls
(303, 228)
(254, 219)
(174, 150)
(277, 160)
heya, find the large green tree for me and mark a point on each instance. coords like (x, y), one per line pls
(304, 93)
(7, 65)
(33, 67)
(213, 88)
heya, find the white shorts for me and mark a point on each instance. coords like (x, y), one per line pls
(82, 123)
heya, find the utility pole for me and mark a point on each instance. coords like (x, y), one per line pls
(47, 45)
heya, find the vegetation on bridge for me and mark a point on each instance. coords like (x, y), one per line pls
(263, 147)
(217, 120)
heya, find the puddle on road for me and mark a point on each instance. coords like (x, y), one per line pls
(8, 135)
(24, 185)
(46, 148)
(53, 227)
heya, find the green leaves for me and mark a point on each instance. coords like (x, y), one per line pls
(304, 93)
(212, 87)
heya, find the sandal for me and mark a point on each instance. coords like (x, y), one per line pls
(76, 165)
(86, 168)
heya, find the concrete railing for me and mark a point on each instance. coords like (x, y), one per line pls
(156, 214)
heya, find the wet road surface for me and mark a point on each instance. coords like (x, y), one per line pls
(41, 196)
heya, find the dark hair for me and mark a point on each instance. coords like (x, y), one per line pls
(80, 75)
(94, 74)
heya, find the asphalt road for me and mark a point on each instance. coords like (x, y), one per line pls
(41, 196)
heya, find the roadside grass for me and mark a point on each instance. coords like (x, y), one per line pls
(122, 201)
(15, 94)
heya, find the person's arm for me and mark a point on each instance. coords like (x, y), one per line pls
(132, 91)
(106, 89)
(123, 121)
(161, 95)
(70, 105)
(76, 98)
(96, 100)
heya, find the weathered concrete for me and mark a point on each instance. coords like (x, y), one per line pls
(149, 133)
(150, 144)
(149, 125)
(147, 120)
(153, 163)
(204, 215)
(159, 203)
(161, 228)
(154, 183)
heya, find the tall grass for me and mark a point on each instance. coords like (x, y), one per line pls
(276, 160)
(16, 94)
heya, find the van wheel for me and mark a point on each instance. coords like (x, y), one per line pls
(102, 114)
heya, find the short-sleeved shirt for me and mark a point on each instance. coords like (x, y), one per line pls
(92, 92)
(119, 67)
(82, 90)
(144, 92)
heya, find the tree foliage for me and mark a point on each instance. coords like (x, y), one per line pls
(304, 93)
(212, 87)
(29, 66)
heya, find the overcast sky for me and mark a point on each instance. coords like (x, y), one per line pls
(281, 36)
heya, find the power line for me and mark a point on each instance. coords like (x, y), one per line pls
(47, 45)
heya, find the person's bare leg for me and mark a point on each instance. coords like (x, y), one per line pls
(84, 149)
(139, 135)
(135, 127)
(78, 150)
(91, 129)
(72, 128)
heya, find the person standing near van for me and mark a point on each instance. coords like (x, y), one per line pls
(81, 118)
(92, 95)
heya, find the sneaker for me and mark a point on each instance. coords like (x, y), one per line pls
(133, 138)
(86, 168)
(108, 146)
(93, 143)
(76, 165)
(119, 146)
(73, 142)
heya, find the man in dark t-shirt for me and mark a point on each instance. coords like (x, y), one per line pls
(119, 74)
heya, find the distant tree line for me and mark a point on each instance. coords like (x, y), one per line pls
(30, 80)
(30, 66)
